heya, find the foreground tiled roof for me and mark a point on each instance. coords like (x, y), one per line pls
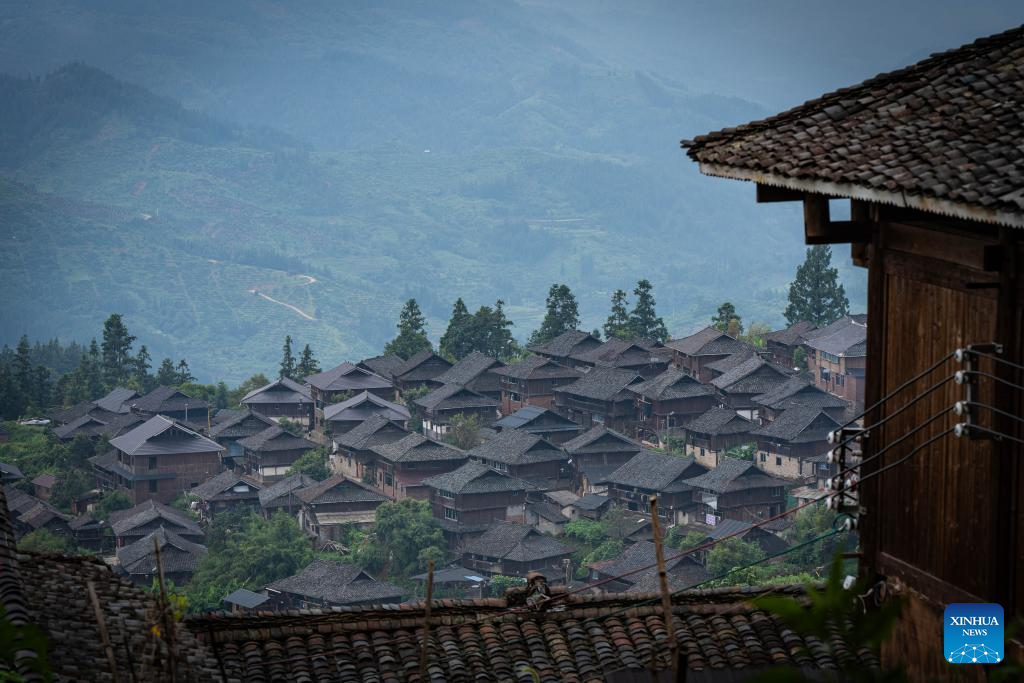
(482, 640)
(941, 135)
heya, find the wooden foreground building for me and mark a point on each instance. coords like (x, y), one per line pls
(931, 161)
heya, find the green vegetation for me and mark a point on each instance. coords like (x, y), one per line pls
(112, 502)
(617, 325)
(412, 333)
(314, 463)
(406, 537)
(499, 583)
(247, 552)
(45, 541)
(16, 642)
(816, 295)
(563, 314)
(487, 331)
(464, 432)
(727, 320)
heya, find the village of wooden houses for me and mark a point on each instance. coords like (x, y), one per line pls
(608, 505)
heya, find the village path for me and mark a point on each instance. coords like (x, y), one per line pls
(309, 281)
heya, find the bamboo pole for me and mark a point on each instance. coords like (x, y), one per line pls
(666, 596)
(104, 635)
(424, 646)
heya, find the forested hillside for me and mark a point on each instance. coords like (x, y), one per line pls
(319, 167)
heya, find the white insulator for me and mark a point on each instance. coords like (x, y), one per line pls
(832, 437)
(830, 457)
(960, 429)
(960, 407)
(832, 503)
(960, 355)
(849, 582)
(850, 523)
(836, 483)
(959, 377)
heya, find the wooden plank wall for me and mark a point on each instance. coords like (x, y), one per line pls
(937, 524)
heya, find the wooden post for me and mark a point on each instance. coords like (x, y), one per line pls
(104, 635)
(666, 597)
(424, 646)
(166, 618)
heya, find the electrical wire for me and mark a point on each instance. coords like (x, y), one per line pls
(924, 373)
(914, 401)
(998, 359)
(908, 456)
(893, 444)
(992, 432)
(998, 411)
(996, 378)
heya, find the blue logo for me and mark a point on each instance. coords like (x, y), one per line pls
(974, 633)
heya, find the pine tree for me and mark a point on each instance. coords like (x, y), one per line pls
(41, 387)
(489, 332)
(221, 398)
(643, 321)
(618, 326)
(182, 374)
(412, 333)
(562, 315)
(308, 364)
(22, 375)
(94, 372)
(117, 347)
(287, 360)
(454, 343)
(140, 373)
(165, 374)
(816, 295)
(727, 320)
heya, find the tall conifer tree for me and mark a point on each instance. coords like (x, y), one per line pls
(561, 316)
(412, 333)
(287, 360)
(117, 351)
(816, 295)
(643, 321)
(618, 326)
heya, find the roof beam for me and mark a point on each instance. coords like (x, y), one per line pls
(767, 194)
(820, 229)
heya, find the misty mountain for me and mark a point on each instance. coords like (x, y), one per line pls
(228, 173)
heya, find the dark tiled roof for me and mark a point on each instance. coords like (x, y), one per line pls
(372, 431)
(337, 583)
(282, 493)
(454, 397)
(382, 365)
(792, 335)
(720, 421)
(475, 477)
(167, 400)
(592, 501)
(362, 406)
(799, 424)
(516, 447)
(9, 472)
(655, 472)
(142, 441)
(73, 413)
(241, 424)
(527, 415)
(941, 135)
(85, 425)
(284, 390)
(728, 527)
(640, 558)
(602, 384)
(407, 369)
(719, 632)
(418, 448)
(708, 342)
(116, 400)
(548, 511)
(176, 554)
(220, 487)
(733, 474)
(468, 369)
(723, 365)
(45, 480)
(515, 542)
(339, 489)
(537, 367)
(566, 344)
(797, 391)
(672, 384)
(243, 597)
(753, 376)
(618, 353)
(275, 439)
(845, 337)
(123, 521)
(452, 574)
(347, 377)
(601, 439)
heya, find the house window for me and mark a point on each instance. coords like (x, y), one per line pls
(824, 373)
(388, 481)
(451, 513)
(764, 457)
(840, 380)
(597, 417)
(152, 485)
(778, 461)
(777, 492)
(513, 396)
(152, 462)
(702, 452)
(446, 494)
